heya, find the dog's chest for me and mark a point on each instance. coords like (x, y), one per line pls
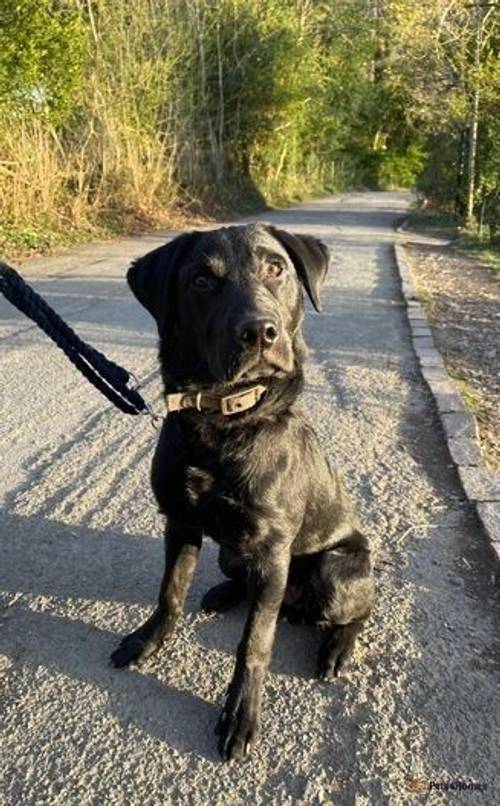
(222, 503)
(238, 492)
(231, 502)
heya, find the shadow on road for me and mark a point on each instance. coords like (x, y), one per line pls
(47, 566)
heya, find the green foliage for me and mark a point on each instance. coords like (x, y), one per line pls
(42, 47)
(113, 112)
(439, 175)
(446, 61)
(398, 171)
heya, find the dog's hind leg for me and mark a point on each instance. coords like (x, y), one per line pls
(181, 555)
(336, 648)
(342, 585)
(225, 595)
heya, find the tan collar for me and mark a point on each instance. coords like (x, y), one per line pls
(225, 404)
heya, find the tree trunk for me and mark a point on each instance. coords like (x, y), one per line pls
(458, 205)
(471, 162)
(474, 124)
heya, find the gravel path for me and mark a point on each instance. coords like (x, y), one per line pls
(81, 562)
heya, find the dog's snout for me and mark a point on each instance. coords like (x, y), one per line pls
(258, 331)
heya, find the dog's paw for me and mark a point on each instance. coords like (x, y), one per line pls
(132, 649)
(237, 727)
(223, 597)
(329, 665)
(336, 650)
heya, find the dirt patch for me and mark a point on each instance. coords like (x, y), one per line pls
(462, 300)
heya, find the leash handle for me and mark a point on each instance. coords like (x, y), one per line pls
(109, 378)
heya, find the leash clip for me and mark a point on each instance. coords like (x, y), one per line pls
(155, 418)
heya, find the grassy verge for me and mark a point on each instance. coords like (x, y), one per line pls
(486, 253)
(435, 224)
(445, 225)
(470, 397)
(19, 241)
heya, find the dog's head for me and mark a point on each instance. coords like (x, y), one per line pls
(228, 303)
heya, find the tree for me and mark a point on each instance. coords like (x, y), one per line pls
(439, 61)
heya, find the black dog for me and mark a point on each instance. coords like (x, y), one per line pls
(238, 462)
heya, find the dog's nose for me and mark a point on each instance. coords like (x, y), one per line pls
(253, 331)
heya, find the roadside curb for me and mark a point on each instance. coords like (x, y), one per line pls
(480, 485)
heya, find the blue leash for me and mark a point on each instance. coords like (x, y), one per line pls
(109, 378)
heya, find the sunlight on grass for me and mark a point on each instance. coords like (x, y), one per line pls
(442, 224)
(486, 253)
(470, 397)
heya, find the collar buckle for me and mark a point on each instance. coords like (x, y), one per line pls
(241, 401)
(173, 402)
(227, 404)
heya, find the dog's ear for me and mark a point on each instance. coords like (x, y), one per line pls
(310, 258)
(151, 277)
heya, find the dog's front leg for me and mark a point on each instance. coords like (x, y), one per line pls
(181, 555)
(239, 723)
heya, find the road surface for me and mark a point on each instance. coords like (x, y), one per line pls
(81, 561)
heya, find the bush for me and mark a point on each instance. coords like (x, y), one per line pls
(400, 171)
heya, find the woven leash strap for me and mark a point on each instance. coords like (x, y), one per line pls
(109, 378)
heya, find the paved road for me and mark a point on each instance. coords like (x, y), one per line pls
(82, 557)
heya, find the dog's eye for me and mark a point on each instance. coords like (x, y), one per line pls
(203, 281)
(273, 267)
